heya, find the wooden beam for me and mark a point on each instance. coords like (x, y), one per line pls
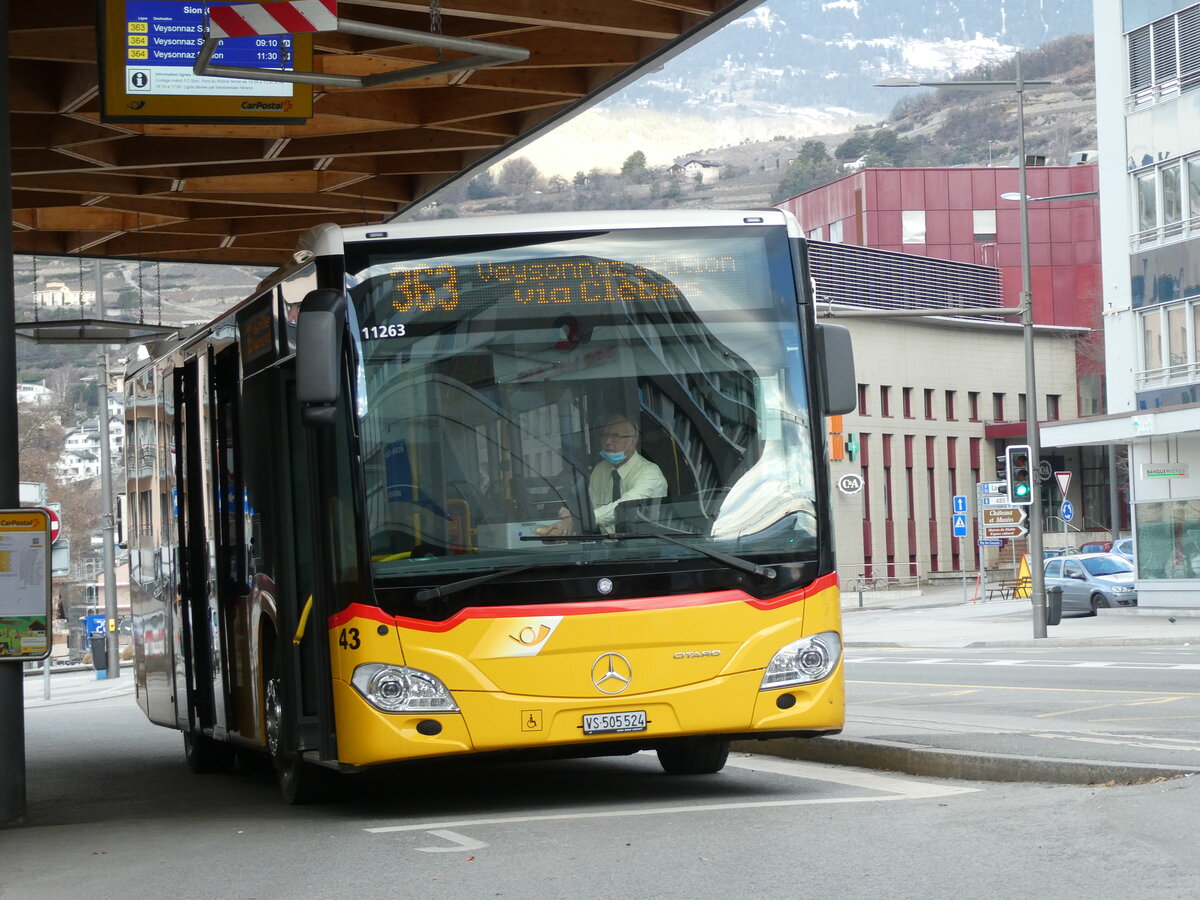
(612, 16)
(71, 44)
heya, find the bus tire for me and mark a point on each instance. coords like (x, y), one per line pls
(694, 756)
(204, 754)
(299, 783)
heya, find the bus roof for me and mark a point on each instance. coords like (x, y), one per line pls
(329, 239)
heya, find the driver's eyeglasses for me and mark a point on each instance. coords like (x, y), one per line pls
(613, 436)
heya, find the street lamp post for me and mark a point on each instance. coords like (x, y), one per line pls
(1032, 432)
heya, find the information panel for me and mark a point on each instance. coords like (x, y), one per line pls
(150, 47)
(24, 584)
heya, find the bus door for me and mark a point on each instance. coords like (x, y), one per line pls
(310, 490)
(198, 624)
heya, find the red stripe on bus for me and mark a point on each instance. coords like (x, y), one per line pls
(598, 607)
(824, 583)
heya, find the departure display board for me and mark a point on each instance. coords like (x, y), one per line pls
(150, 47)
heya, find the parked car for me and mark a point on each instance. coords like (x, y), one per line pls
(1090, 581)
(1096, 547)
(1124, 547)
(1051, 552)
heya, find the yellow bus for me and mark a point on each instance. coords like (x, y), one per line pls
(551, 483)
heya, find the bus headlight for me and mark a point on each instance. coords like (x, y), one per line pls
(399, 689)
(804, 661)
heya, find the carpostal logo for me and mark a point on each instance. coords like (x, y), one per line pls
(266, 105)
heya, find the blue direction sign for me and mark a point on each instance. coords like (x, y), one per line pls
(960, 503)
(989, 542)
(1067, 511)
(960, 525)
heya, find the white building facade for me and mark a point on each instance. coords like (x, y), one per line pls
(1148, 122)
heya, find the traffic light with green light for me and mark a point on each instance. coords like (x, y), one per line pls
(1019, 474)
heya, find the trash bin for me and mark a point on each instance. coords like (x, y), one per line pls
(1053, 605)
(99, 652)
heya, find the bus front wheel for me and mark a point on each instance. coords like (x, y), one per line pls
(694, 756)
(298, 783)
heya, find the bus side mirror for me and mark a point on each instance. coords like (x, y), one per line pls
(320, 328)
(835, 358)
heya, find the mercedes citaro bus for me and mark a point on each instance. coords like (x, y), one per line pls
(347, 494)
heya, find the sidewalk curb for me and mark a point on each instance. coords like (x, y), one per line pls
(959, 764)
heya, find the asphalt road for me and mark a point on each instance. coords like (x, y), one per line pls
(113, 811)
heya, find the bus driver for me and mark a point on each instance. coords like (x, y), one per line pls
(622, 475)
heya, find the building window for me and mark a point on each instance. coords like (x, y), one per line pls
(928, 403)
(1168, 540)
(885, 400)
(1164, 57)
(1172, 199)
(906, 393)
(1177, 337)
(1052, 407)
(913, 225)
(973, 405)
(950, 416)
(1152, 356)
(862, 400)
(1146, 213)
(984, 225)
(835, 232)
(1022, 412)
(1093, 486)
(997, 407)
(1091, 395)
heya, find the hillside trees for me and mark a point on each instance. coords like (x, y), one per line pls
(519, 176)
(811, 168)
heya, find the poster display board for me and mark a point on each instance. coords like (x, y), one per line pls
(149, 48)
(24, 584)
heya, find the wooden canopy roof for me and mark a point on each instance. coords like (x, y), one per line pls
(241, 193)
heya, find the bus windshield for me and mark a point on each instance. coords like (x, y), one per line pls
(490, 367)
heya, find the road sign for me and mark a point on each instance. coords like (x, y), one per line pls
(1004, 531)
(850, 483)
(994, 487)
(55, 524)
(997, 501)
(1068, 511)
(1004, 515)
(960, 526)
(1064, 481)
(989, 543)
(960, 503)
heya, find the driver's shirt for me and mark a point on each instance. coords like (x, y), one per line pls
(640, 479)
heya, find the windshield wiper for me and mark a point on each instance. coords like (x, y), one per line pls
(428, 595)
(733, 562)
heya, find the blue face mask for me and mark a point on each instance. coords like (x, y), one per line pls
(615, 458)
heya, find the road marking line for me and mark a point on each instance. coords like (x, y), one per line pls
(1002, 687)
(1084, 739)
(461, 842)
(890, 789)
(1158, 700)
(1081, 709)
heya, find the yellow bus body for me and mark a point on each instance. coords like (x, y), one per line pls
(523, 676)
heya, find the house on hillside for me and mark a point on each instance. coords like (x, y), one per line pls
(34, 394)
(708, 172)
(57, 295)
